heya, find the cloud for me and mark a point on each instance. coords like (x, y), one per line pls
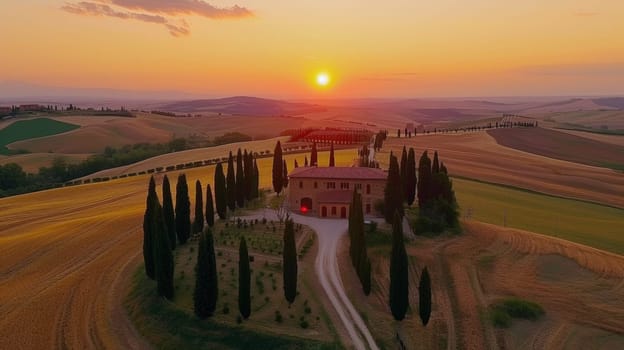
(183, 7)
(156, 11)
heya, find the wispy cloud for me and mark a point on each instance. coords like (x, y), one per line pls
(183, 7)
(164, 12)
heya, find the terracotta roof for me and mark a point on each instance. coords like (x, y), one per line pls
(347, 173)
(340, 196)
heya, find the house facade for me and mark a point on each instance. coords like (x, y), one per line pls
(326, 192)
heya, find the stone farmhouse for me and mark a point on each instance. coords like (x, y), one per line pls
(326, 192)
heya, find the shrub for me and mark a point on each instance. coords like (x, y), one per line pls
(500, 318)
(518, 308)
(278, 317)
(304, 324)
(502, 312)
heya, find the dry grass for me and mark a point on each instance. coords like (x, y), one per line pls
(610, 139)
(579, 287)
(478, 156)
(97, 133)
(558, 145)
(68, 256)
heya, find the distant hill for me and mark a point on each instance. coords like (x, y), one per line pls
(613, 102)
(243, 105)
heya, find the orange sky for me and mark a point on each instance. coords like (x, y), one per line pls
(274, 48)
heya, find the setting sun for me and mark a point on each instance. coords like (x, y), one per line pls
(323, 79)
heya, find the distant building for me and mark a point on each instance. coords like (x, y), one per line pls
(5, 110)
(326, 192)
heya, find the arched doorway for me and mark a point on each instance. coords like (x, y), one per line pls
(324, 212)
(343, 212)
(306, 205)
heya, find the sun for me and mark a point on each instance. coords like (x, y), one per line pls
(323, 79)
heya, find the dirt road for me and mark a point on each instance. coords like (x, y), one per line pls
(329, 232)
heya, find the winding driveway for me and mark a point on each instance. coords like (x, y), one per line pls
(329, 232)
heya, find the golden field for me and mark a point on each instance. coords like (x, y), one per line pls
(97, 133)
(68, 256)
(580, 289)
(478, 156)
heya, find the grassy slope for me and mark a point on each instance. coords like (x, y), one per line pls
(28, 129)
(586, 223)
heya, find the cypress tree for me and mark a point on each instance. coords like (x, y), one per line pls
(206, 278)
(424, 297)
(220, 192)
(399, 288)
(278, 171)
(351, 230)
(306, 161)
(296, 164)
(241, 185)
(285, 175)
(366, 277)
(290, 262)
(314, 155)
(163, 257)
(244, 280)
(231, 184)
(198, 224)
(403, 172)
(148, 232)
(249, 175)
(424, 181)
(209, 206)
(182, 210)
(435, 166)
(357, 250)
(168, 211)
(256, 187)
(443, 168)
(393, 193)
(411, 181)
(332, 160)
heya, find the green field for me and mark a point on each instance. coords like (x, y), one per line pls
(582, 222)
(29, 129)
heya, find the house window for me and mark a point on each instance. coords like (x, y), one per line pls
(367, 188)
(333, 211)
(315, 184)
(358, 187)
(368, 208)
(331, 185)
(300, 184)
(344, 185)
